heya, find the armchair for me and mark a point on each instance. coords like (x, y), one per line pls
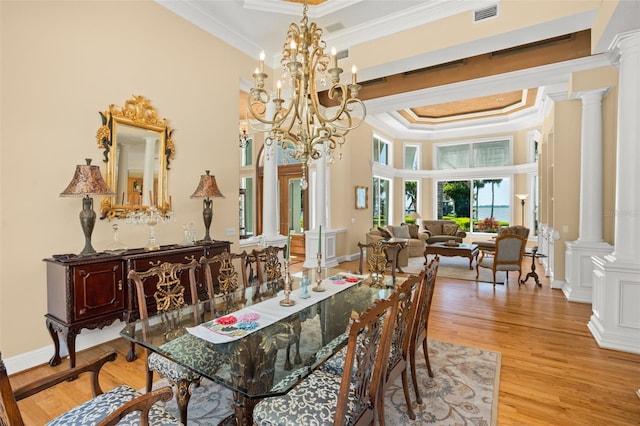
(122, 402)
(489, 246)
(509, 251)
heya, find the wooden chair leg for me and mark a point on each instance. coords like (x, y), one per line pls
(494, 278)
(149, 379)
(425, 349)
(183, 395)
(414, 378)
(407, 398)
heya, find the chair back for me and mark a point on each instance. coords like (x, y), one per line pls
(523, 231)
(9, 411)
(168, 291)
(509, 250)
(228, 280)
(369, 340)
(424, 298)
(378, 256)
(269, 266)
(408, 292)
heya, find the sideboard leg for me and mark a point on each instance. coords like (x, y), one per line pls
(55, 359)
(71, 346)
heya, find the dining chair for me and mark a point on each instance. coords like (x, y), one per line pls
(398, 361)
(121, 405)
(347, 399)
(379, 255)
(508, 255)
(229, 282)
(163, 283)
(420, 325)
(269, 266)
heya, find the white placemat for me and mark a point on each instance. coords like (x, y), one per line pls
(247, 320)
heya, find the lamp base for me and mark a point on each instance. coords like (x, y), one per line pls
(207, 215)
(87, 221)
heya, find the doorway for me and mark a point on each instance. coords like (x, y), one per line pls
(293, 207)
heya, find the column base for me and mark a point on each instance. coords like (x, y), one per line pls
(578, 272)
(615, 318)
(274, 240)
(329, 259)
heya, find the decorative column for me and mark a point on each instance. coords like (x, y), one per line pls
(321, 218)
(148, 173)
(578, 264)
(270, 201)
(615, 319)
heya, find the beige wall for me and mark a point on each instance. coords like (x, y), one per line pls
(62, 62)
(357, 162)
(513, 14)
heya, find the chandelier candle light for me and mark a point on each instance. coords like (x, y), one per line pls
(207, 188)
(87, 181)
(305, 129)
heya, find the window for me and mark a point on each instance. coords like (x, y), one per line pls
(410, 198)
(247, 154)
(473, 155)
(477, 205)
(381, 200)
(381, 151)
(411, 157)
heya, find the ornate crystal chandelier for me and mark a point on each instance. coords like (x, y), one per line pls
(304, 129)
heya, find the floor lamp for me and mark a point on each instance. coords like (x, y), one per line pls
(522, 197)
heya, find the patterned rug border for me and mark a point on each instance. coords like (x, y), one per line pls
(220, 406)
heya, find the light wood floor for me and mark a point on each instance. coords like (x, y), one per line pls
(553, 372)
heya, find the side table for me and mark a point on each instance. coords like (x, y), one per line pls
(533, 254)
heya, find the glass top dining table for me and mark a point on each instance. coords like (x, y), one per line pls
(248, 342)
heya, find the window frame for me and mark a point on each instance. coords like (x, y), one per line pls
(418, 156)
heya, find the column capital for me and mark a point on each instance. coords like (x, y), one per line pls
(592, 95)
(623, 41)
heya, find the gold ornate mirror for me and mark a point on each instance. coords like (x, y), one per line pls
(137, 149)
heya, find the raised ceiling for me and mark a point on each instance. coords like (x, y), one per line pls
(474, 83)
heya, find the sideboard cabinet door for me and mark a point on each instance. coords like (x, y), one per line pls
(98, 289)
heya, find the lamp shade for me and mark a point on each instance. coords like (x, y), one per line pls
(522, 197)
(87, 180)
(207, 187)
(414, 215)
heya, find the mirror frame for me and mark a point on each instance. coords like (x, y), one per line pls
(136, 112)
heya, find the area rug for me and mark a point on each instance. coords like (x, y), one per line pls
(458, 268)
(463, 391)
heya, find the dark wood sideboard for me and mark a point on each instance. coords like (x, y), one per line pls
(93, 291)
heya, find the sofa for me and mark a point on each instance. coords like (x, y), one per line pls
(416, 240)
(442, 230)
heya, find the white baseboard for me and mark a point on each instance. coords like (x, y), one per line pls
(86, 339)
